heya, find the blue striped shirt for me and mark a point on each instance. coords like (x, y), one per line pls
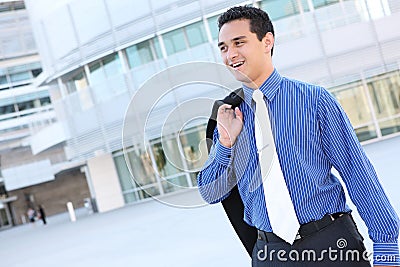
(312, 134)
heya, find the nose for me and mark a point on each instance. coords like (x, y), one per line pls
(231, 54)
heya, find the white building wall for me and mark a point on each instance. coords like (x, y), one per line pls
(330, 46)
(105, 183)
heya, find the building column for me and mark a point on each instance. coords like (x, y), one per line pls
(105, 183)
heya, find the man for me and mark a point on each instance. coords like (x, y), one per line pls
(311, 134)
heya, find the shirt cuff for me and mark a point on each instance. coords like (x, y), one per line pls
(386, 254)
(223, 154)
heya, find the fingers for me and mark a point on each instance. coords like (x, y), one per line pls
(225, 108)
(239, 114)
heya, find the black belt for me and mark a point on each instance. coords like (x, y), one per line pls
(305, 229)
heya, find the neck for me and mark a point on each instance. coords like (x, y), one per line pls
(261, 79)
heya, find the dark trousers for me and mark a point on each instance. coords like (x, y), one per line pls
(338, 244)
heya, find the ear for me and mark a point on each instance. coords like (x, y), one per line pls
(268, 42)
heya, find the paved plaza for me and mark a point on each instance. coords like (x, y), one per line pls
(146, 234)
(155, 234)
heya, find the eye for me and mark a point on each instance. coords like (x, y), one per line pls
(239, 43)
(222, 48)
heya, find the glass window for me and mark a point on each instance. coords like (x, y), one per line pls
(112, 65)
(390, 126)
(3, 79)
(385, 94)
(139, 54)
(19, 5)
(196, 34)
(175, 184)
(25, 105)
(141, 167)
(21, 76)
(11, 5)
(213, 25)
(194, 147)
(130, 188)
(123, 173)
(76, 83)
(44, 101)
(5, 7)
(36, 72)
(104, 68)
(321, 3)
(354, 102)
(7, 109)
(305, 6)
(366, 133)
(97, 74)
(278, 9)
(174, 41)
(148, 192)
(167, 157)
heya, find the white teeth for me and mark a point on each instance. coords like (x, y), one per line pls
(237, 64)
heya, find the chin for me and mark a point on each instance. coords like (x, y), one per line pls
(240, 76)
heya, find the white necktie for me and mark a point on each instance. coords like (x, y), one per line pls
(280, 208)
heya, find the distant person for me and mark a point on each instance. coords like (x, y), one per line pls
(31, 215)
(42, 214)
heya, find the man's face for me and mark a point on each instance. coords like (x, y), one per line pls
(249, 58)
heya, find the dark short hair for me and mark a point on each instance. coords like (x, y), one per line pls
(260, 23)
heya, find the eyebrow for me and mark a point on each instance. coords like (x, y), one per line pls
(233, 39)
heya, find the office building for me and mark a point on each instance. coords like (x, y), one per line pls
(97, 53)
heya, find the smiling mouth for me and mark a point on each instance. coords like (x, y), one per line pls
(237, 64)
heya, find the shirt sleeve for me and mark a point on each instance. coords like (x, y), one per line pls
(215, 178)
(344, 151)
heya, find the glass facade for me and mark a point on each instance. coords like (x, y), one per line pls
(175, 41)
(194, 150)
(77, 82)
(213, 26)
(101, 75)
(19, 75)
(385, 94)
(278, 9)
(354, 101)
(144, 184)
(104, 68)
(373, 106)
(11, 6)
(321, 3)
(196, 34)
(172, 163)
(185, 37)
(144, 52)
(163, 166)
(23, 102)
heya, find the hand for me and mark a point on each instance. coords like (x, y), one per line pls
(230, 124)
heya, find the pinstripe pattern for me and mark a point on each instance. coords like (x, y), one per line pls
(312, 134)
